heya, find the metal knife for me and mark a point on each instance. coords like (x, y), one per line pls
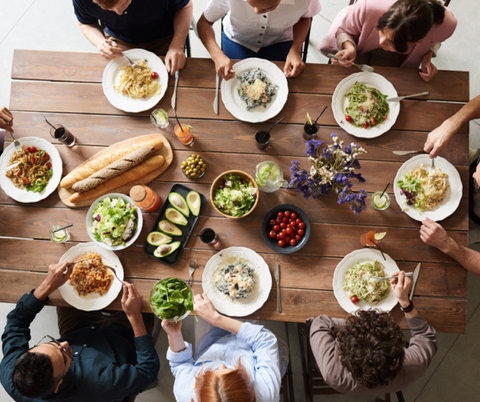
(215, 101)
(174, 96)
(415, 277)
(399, 98)
(406, 152)
(10, 167)
(277, 279)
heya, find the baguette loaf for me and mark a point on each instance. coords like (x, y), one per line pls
(130, 175)
(94, 165)
(114, 169)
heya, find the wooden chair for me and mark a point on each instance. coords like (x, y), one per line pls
(314, 383)
(286, 389)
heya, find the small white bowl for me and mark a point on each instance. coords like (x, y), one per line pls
(132, 239)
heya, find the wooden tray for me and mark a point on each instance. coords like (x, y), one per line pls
(166, 152)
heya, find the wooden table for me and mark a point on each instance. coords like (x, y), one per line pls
(67, 88)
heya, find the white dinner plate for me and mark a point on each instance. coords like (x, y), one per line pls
(454, 192)
(236, 106)
(340, 102)
(364, 254)
(238, 307)
(28, 196)
(111, 77)
(92, 301)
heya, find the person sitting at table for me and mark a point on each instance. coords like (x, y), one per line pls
(268, 29)
(97, 358)
(234, 361)
(366, 353)
(6, 119)
(403, 33)
(160, 26)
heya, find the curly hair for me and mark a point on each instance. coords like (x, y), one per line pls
(371, 347)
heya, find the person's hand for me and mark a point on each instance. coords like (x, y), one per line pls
(347, 55)
(294, 64)
(402, 286)
(57, 275)
(172, 328)
(204, 308)
(439, 138)
(6, 119)
(432, 234)
(109, 49)
(428, 68)
(224, 67)
(175, 60)
(131, 301)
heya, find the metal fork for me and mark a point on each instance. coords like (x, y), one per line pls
(379, 278)
(134, 64)
(363, 67)
(432, 167)
(191, 269)
(15, 142)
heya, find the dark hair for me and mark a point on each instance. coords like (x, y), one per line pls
(32, 375)
(106, 4)
(411, 20)
(371, 347)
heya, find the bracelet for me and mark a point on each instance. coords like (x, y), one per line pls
(409, 308)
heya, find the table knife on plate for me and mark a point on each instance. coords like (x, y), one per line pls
(174, 96)
(215, 102)
(415, 277)
(277, 279)
(399, 98)
(10, 167)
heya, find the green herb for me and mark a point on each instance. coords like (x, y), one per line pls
(171, 299)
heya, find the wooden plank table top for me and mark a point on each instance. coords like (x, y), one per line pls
(66, 87)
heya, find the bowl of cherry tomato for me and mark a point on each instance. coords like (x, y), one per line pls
(285, 228)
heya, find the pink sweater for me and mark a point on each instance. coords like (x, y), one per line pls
(358, 22)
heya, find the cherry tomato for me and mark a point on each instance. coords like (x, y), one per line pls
(287, 214)
(281, 243)
(272, 234)
(365, 125)
(280, 215)
(294, 215)
(32, 158)
(45, 156)
(19, 173)
(283, 225)
(282, 235)
(293, 242)
(348, 118)
(272, 222)
(385, 117)
(293, 224)
(25, 180)
(276, 228)
(373, 120)
(32, 149)
(277, 236)
(298, 237)
(287, 239)
(285, 219)
(354, 299)
(279, 221)
(289, 230)
(49, 165)
(298, 220)
(301, 225)
(154, 75)
(301, 232)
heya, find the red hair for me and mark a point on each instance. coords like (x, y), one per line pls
(234, 386)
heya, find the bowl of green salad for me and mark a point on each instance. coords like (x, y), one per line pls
(171, 299)
(114, 222)
(234, 194)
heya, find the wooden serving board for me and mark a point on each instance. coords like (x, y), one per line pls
(166, 152)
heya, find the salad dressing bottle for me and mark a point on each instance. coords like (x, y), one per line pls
(145, 198)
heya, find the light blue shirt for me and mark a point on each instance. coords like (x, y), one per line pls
(257, 348)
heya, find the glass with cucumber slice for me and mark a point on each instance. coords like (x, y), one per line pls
(59, 236)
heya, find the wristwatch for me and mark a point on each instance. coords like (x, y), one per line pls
(407, 309)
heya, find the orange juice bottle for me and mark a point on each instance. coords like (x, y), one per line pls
(185, 136)
(371, 238)
(145, 198)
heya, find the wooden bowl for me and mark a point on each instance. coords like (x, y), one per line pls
(218, 181)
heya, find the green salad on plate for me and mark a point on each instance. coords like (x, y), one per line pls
(171, 299)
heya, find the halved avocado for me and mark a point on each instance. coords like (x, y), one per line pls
(158, 238)
(169, 228)
(175, 217)
(194, 202)
(166, 249)
(179, 203)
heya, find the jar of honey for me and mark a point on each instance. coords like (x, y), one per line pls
(145, 198)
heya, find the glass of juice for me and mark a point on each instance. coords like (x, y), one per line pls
(145, 198)
(380, 202)
(262, 138)
(184, 134)
(372, 238)
(59, 236)
(61, 134)
(208, 236)
(159, 118)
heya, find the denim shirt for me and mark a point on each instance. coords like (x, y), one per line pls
(256, 347)
(108, 364)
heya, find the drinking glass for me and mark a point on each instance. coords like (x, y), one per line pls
(184, 134)
(61, 236)
(159, 118)
(208, 236)
(309, 130)
(62, 134)
(262, 139)
(380, 203)
(269, 177)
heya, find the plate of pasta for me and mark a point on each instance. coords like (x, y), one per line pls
(135, 88)
(421, 194)
(359, 105)
(258, 91)
(91, 286)
(37, 175)
(237, 280)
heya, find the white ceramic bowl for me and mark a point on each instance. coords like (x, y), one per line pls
(132, 239)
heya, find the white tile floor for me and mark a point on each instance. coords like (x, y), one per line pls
(51, 25)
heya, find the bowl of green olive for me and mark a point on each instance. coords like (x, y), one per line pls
(193, 166)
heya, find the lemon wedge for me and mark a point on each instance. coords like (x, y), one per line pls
(380, 202)
(380, 236)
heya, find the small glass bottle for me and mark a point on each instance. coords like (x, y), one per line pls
(145, 198)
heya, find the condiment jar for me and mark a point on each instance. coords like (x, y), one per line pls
(145, 198)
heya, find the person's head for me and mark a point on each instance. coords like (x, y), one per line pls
(371, 347)
(41, 369)
(118, 6)
(264, 6)
(476, 175)
(407, 22)
(224, 385)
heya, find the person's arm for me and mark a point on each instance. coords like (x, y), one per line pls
(402, 286)
(6, 119)
(294, 64)
(108, 49)
(439, 138)
(132, 305)
(428, 68)
(435, 235)
(175, 58)
(205, 309)
(223, 65)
